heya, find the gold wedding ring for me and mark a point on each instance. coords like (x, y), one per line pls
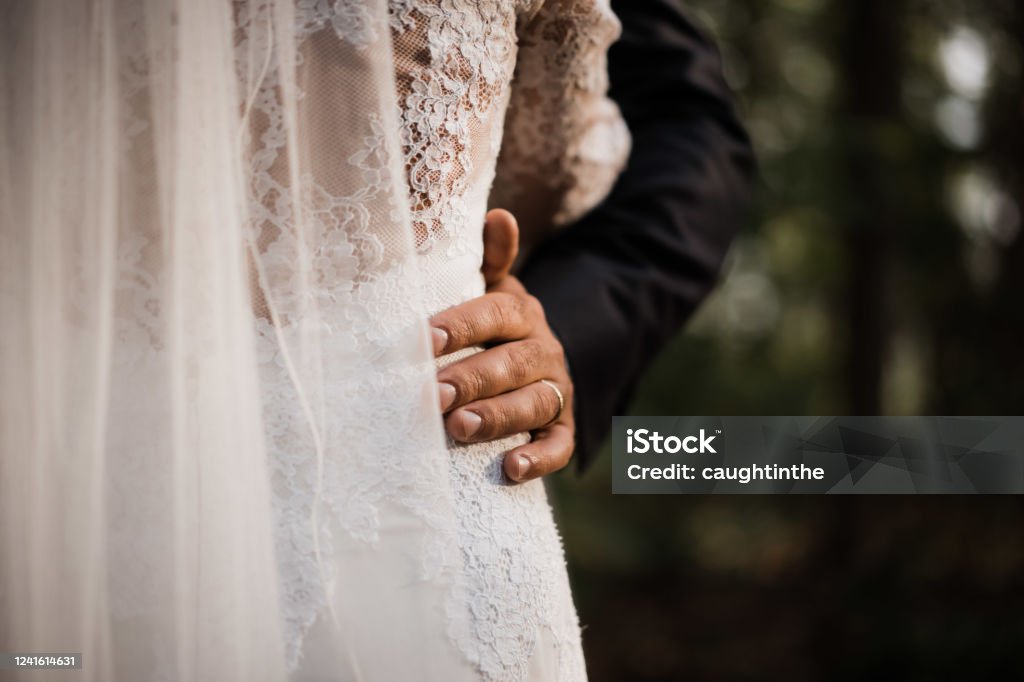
(561, 398)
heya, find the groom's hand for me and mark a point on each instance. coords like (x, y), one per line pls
(506, 389)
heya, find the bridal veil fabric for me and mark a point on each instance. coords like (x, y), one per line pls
(222, 229)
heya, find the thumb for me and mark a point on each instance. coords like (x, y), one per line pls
(501, 245)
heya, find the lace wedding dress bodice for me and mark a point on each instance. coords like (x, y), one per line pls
(500, 101)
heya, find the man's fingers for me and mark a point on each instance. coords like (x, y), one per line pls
(490, 318)
(497, 370)
(523, 409)
(501, 245)
(549, 451)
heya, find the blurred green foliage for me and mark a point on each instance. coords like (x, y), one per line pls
(880, 273)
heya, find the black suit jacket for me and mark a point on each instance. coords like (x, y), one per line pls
(620, 283)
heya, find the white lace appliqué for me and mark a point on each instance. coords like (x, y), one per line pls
(454, 65)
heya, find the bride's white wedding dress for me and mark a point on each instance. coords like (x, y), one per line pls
(474, 77)
(224, 226)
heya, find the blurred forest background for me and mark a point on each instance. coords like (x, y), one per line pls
(881, 273)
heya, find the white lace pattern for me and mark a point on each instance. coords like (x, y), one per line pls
(460, 66)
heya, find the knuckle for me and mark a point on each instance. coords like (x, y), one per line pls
(564, 458)
(467, 382)
(555, 353)
(495, 303)
(494, 313)
(557, 348)
(507, 420)
(460, 329)
(533, 353)
(495, 419)
(566, 445)
(570, 440)
(476, 383)
(522, 361)
(515, 368)
(534, 306)
(516, 310)
(476, 325)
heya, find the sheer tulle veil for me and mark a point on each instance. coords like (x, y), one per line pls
(173, 174)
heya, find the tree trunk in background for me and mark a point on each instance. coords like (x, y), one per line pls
(1004, 363)
(871, 67)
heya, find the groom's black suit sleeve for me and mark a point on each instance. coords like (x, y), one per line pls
(621, 282)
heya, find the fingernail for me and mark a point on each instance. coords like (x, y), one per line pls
(447, 393)
(522, 467)
(465, 424)
(440, 339)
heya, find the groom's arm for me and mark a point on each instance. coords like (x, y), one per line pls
(617, 285)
